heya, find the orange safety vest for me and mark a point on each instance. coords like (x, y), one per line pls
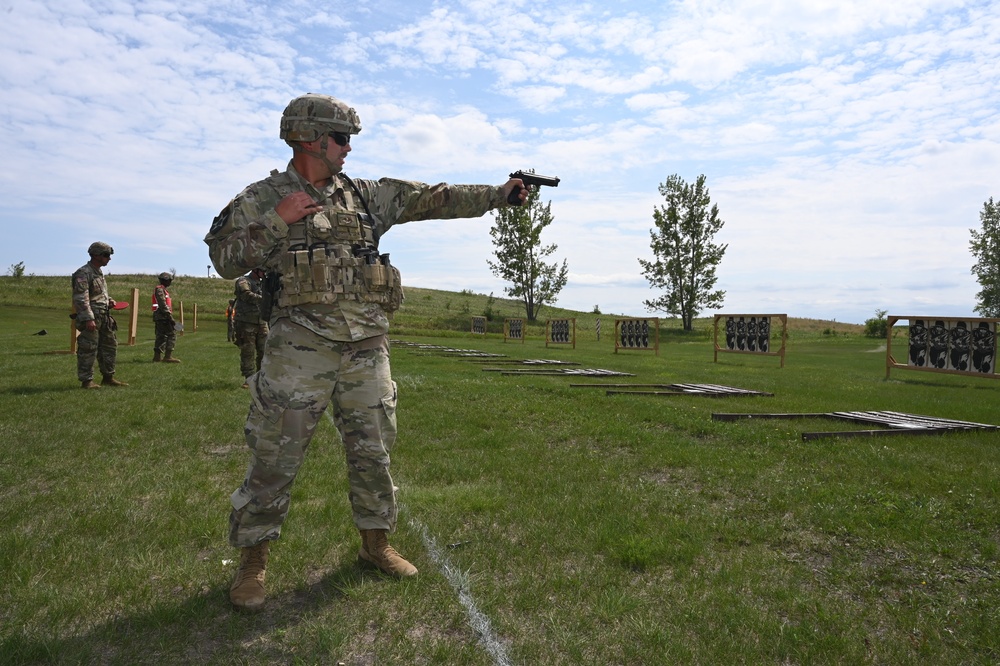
(170, 307)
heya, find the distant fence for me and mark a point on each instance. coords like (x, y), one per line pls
(958, 346)
(750, 334)
(640, 334)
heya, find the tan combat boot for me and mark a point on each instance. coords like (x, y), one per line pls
(89, 384)
(247, 590)
(109, 380)
(169, 358)
(375, 548)
(156, 356)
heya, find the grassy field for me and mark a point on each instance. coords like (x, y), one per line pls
(552, 524)
(424, 312)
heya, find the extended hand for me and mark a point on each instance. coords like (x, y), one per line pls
(512, 185)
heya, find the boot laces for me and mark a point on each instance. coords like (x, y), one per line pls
(252, 565)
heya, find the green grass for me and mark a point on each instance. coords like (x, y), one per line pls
(424, 312)
(593, 529)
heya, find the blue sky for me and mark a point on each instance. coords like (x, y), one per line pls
(849, 144)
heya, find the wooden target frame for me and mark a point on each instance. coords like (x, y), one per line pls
(635, 333)
(478, 326)
(742, 335)
(560, 331)
(513, 329)
(888, 423)
(948, 345)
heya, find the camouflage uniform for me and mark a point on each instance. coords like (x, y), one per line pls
(163, 321)
(250, 330)
(332, 349)
(91, 301)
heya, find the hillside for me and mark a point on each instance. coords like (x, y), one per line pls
(424, 311)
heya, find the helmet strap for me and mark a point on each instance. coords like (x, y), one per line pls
(321, 155)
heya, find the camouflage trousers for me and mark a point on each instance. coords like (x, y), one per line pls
(250, 338)
(301, 374)
(166, 336)
(100, 345)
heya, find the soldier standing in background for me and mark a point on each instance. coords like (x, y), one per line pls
(97, 339)
(251, 329)
(230, 322)
(163, 321)
(319, 231)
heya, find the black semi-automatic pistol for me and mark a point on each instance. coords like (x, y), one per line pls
(529, 180)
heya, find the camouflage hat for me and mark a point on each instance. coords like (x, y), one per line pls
(165, 277)
(310, 116)
(99, 248)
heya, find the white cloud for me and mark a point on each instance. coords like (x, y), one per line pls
(845, 141)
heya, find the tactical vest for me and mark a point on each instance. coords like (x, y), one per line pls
(166, 299)
(333, 255)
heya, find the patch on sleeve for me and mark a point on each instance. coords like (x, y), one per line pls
(222, 218)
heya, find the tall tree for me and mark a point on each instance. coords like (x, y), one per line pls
(985, 247)
(686, 257)
(520, 255)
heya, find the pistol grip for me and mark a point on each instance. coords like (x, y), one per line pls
(514, 198)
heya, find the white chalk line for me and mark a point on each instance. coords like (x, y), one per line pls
(459, 581)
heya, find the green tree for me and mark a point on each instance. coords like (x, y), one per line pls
(16, 270)
(686, 257)
(520, 255)
(877, 326)
(985, 247)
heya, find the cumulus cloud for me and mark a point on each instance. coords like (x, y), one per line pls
(845, 141)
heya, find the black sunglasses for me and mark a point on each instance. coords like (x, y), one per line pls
(340, 138)
(105, 254)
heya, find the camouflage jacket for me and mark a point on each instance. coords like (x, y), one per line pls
(162, 306)
(248, 295)
(249, 233)
(90, 292)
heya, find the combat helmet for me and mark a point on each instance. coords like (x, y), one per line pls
(165, 277)
(98, 247)
(311, 116)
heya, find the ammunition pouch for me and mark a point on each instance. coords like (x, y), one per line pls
(328, 273)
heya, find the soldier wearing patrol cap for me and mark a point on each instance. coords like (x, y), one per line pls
(163, 321)
(316, 232)
(97, 339)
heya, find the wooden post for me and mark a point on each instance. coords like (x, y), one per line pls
(133, 317)
(889, 360)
